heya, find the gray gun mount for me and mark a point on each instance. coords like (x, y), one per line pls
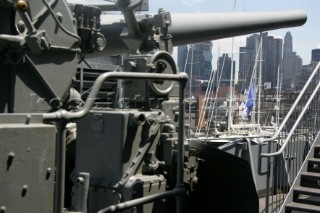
(192, 28)
(31, 40)
(63, 152)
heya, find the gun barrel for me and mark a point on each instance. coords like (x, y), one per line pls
(193, 28)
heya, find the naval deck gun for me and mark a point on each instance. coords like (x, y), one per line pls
(59, 154)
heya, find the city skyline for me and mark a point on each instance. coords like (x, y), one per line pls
(278, 61)
(236, 52)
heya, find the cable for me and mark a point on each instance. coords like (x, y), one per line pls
(59, 24)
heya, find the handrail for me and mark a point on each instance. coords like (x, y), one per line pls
(288, 171)
(142, 200)
(294, 126)
(275, 136)
(64, 114)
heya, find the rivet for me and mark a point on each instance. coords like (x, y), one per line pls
(24, 190)
(133, 163)
(22, 5)
(10, 159)
(134, 209)
(80, 180)
(21, 26)
(59, 16)
(126, 175)
(28, 118)
(48, 173)
(3, 209)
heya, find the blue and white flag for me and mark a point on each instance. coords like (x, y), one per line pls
(250, 100)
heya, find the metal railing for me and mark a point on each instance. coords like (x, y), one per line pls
(289, 146)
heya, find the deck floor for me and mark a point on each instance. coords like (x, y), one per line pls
(275, 203)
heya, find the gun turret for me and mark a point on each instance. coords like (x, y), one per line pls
(51, 53)
(192, 28)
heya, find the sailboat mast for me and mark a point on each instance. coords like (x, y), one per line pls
(277, 108)
(190, 86)
(231, 90)
(231, 79)
(259, 82)
(279, 79)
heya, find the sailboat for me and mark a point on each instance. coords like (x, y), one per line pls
(249, 113)
(273, 115)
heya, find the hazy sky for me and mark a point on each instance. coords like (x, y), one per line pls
(305, 38)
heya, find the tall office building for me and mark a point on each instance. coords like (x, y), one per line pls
(183, 53)
(196, 61)
(224, 69)
(291, 64)
(249, 59)
(315, 55)
(287, 45)
(271, 56)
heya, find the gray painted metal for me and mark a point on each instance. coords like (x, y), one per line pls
(297, 181)
(27, 168)
(192, 28)
(63, 114)
(39, 53)
(112, 147)
(81, 189)
(62, 39)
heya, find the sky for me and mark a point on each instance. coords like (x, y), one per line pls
(305, 38)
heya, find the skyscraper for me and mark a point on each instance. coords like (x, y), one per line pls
(315, 55)
(287, 45)
(183, 53)
(271, 56)
(195, 60)
(249, 59)
(224, 69)
(291, 64)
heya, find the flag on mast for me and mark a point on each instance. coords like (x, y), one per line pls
(250, 100)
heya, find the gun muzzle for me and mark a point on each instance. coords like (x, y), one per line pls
(193, 28)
